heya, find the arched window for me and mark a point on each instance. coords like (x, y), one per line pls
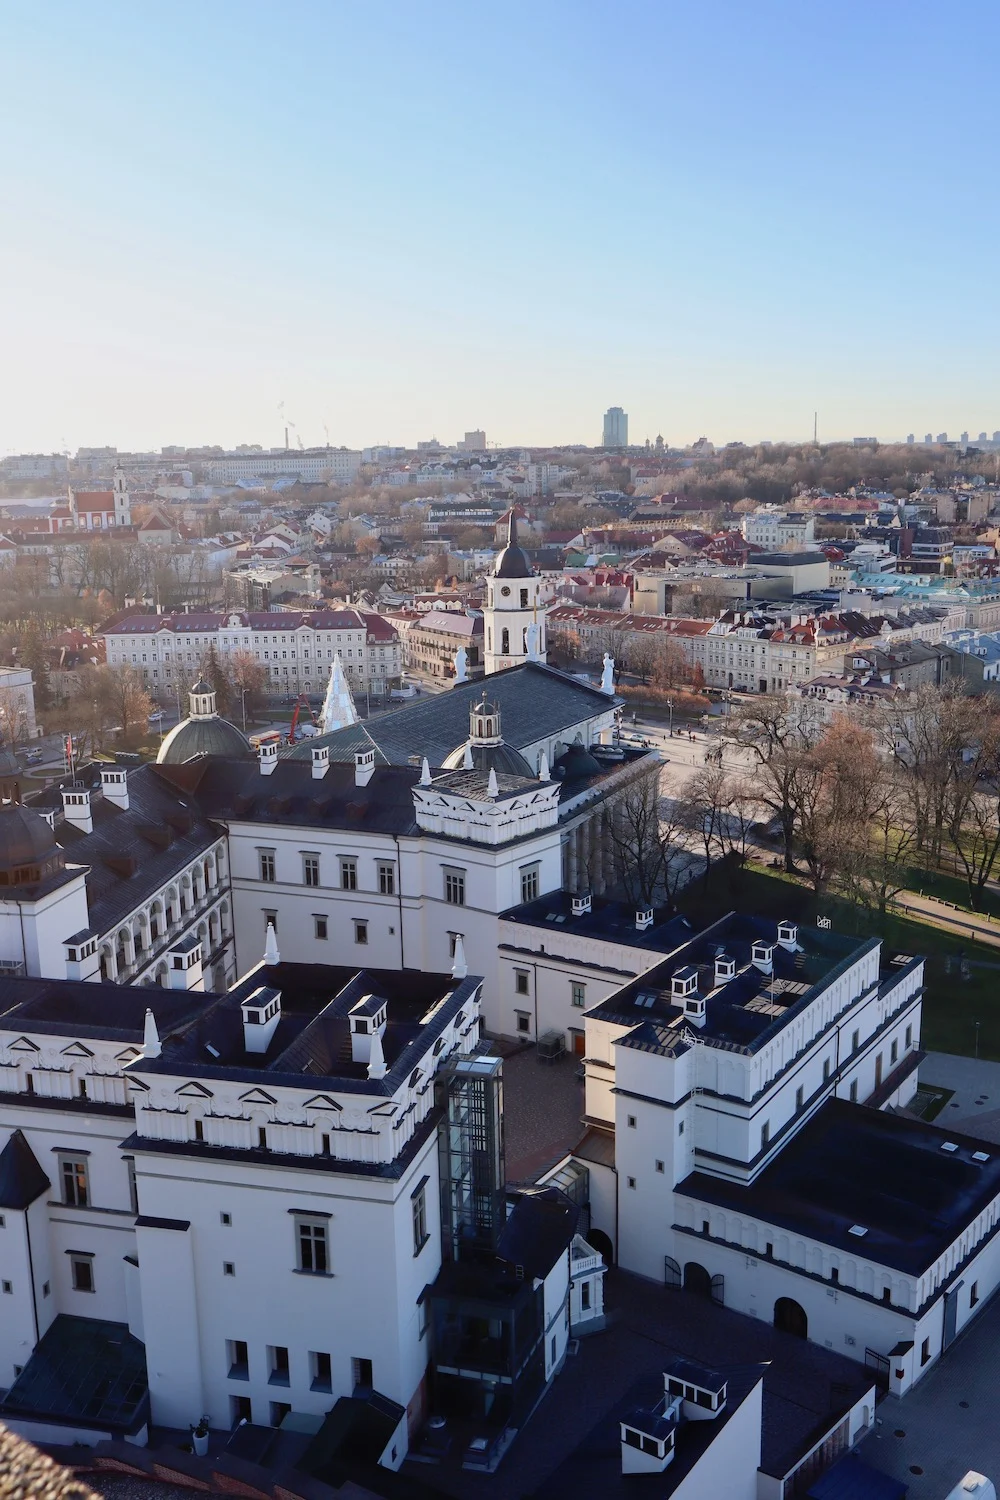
(505, 643)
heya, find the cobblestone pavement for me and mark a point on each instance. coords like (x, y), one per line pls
(974, 1107)
(948, 1423)
(543, 1103)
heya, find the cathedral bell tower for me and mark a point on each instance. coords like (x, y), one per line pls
(123, 508)
(513, 620)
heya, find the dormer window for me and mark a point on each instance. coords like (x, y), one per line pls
(684, 982)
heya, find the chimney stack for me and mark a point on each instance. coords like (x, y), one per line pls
(320, 761)
(364, 766)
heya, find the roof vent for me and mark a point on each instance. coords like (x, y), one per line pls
(949, 1146)
(725, 968)
(684, 982)
(643, 918)
(788, 934)
(762, 954)
(582, 903)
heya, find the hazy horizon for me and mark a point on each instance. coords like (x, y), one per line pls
(406, 223)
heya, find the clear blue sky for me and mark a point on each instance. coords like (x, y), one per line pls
(408, 219)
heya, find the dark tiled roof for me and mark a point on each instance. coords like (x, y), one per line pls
(912, 1197)
(236, 791)
(535, 701)
(538, 1230)
(21, 1177)
(149, 842)
(85, 1008)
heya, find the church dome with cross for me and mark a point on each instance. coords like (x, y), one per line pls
(203, 732)
(485, 750)
(513, 615)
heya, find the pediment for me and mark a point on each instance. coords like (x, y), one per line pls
(194, 1090)
(76, 1049)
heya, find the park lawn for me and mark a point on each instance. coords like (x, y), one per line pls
(952, 1005)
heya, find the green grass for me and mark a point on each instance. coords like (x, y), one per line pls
(952, 1003)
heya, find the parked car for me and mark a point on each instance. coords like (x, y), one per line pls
(33, 757)
(157, 717)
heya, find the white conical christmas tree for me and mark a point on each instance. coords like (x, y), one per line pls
(338, 706)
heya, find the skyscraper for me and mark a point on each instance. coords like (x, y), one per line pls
(615, 428)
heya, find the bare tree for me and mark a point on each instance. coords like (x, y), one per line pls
(122, 698)
(779, 744)
(647, 834)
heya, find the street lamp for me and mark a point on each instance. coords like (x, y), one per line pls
(670, 706)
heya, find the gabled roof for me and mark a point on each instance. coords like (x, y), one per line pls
(21, 1177)
(536, 701)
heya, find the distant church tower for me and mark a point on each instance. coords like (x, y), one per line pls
(123, 508)
(513, 621)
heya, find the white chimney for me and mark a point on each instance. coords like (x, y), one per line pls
(184, 964)
(261, 1012)
(77, 809)
(114, 783)
(788, 935)
(364, 766)
(320, 761)
(725, 968)
(367, 1019)
(643, 918)
(582, 902)
(762, 956)
(267, 757)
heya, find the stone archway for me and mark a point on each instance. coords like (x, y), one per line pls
(790, 1317)
(697, 1279)
(602, 1244)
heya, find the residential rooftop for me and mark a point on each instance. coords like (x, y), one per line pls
(608, 921)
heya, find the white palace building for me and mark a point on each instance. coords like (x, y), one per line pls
(251, 1190)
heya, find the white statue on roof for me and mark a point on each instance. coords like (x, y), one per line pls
(608, 675)
(461, 665)
(338, 706)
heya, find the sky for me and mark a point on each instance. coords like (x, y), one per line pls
(389, 221)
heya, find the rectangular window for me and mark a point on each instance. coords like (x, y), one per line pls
(320, 1371)
(765, 1134)
(854, 1092)
(267, 865)
(82, 1268)
(362, 1375)
(386, 879)
(521, 977)
(887, 1295)
(630, 1181)
(631, 1122)
(238, 1358)
(855, 1039)
(529, 883)
(585, 1296)
(348, 873)
(312, 1246)
(523, 1022)
(909, 1036)
(925, 1351)
(73, 1174)
(133, 1192)
(360, 931)
(454, 887)
(277, 1365)
(279, 1409)
(310, 869)
(240, 1409)
(894, 1052)
(800, 1095)
(420, 1235)
(826, 1069)
(321, 928)
(578, 995)
(659, 1166)
(974, 1294)
(228, 1268)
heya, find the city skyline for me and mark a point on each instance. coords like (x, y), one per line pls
(729, 218)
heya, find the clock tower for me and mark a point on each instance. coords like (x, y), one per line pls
(513, 620)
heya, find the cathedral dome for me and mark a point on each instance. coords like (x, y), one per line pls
(203, 733)
(485, 750)
(28, 848)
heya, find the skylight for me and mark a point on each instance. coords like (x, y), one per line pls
(858, 1230)
(980, 1156)
(949, 1146)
